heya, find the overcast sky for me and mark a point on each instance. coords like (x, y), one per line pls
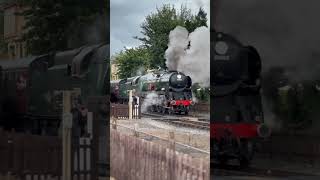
(127, 16)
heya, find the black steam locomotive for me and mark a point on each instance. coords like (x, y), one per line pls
(236, 108)
(31, 88)
(170, 91)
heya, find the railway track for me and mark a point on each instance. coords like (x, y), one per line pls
(233, 170)
(199, 117)
(184, 121)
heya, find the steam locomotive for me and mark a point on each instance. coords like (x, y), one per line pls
(31, 88)
(236, 108)
(171, 91)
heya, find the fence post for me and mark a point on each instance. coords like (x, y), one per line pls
(114, 123)
(66, 136)
(89, 124)
(130, 104)
(171, 140)
(136, 132)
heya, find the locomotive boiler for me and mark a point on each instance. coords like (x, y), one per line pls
(236, 108)
(170, 91)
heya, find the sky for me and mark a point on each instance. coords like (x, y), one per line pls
(127, 16)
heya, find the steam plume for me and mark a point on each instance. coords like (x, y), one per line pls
(151, 99)
(193, 61)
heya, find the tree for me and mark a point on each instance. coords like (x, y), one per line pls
(201, 94)
(58, 25)
(132, 62)
(199, 20)
(157, 26)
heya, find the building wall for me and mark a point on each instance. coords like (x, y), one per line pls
(114, 71)
(13, 31)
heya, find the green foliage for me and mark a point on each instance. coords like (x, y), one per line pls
(132, 62)
(202, 94)
(294, 103)
(51, 25)
(157, 26)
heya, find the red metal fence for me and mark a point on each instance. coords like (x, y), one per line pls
(136, 159)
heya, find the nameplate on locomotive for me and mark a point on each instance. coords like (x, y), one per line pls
(221, 57)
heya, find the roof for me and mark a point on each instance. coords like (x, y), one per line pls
(61, 58)
(17, 64)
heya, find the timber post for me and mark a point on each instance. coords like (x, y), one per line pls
(66, 136)
(136, 130)
(172, 140)
(130, 104)
(114, 123)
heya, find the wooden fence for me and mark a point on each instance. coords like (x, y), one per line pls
(121, 111)
(25, 156)
(83, 165)
(201, 108)
(137, 159)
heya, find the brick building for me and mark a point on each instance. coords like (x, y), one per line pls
(114, 71)
(12, 30)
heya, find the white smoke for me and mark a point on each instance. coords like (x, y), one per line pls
(194, 61)
(269, 117)
(194, 99)
(140, 71)
(151, 99)
(178, 42)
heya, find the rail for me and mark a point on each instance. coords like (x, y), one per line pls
(186, 123)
